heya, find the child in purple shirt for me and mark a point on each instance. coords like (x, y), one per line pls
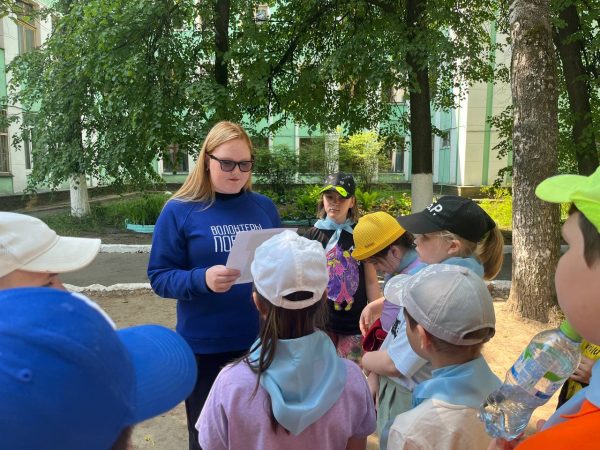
(291, 390)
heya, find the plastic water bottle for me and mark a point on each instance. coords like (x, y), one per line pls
(549, 359)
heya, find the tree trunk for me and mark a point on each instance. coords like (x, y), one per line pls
(80, 203)
(535, 157)
(570, 48)
(420, 114)
(221, 23)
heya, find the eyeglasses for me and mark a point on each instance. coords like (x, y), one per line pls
(227, 165)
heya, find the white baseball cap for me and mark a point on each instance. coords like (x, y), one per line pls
(27, 243)
(395, 287)
(450, 302)
(288, 263)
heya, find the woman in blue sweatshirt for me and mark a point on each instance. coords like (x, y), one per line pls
(191, 242)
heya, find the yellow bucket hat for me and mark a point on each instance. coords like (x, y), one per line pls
(578, 189)
(373, 233)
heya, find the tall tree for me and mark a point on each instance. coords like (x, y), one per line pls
(420, 100)
(110, 90)
(535, 157)
(335, 63)
(570, 43)
(148, 75)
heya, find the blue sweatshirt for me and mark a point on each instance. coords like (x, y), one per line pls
(187, 241)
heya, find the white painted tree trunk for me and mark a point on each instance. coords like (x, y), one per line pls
(535, 158)
(421, 191)
(80, 203)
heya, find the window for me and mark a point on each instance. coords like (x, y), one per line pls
(398, 161)
(25, 27)
(311, 155)
(396, 95)
(445, 139)
(29, 142)
(262, 13)
(260, 143)
(4, 149)
(175, 160)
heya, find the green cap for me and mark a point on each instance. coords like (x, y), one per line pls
(584, 192)
(569, 331)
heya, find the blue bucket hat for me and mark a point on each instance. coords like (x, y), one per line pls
(70, 381)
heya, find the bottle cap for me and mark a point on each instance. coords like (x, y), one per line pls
(569, 331)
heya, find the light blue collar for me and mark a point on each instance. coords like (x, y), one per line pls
(469, 262)
(304, 380)
(465, 384)
(410, 263)
(590, 393)
(328, 224)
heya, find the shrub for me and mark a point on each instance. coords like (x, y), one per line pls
(366, 200)
(498, 205)
(395, 203)
(398, 204)
(276, 169)
(360, 154)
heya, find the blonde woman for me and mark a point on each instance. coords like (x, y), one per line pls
(191, 242)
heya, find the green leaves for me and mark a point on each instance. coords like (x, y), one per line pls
(118, 81)
(110, 87)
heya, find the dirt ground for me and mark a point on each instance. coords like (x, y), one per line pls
(169, 431)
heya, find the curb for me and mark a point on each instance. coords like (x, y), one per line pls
(498, 288)
(99, 289)
(124, 248)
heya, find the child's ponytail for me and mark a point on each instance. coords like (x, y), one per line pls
(490, 251)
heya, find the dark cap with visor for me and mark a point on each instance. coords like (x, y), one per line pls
(461, 216)
(342, 183)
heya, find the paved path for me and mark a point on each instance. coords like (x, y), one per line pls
(112, 268)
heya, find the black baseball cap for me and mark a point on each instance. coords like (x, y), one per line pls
(459, 215)
(342, 183)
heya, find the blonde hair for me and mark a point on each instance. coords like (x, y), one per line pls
(198, 186)
(489, 250)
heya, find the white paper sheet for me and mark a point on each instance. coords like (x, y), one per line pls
(242, 252)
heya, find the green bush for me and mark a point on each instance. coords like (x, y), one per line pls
(393, 203)
(366, 200)
(307, 199)
(397, 204)
(361, 154)
(498, 205)
(297, 203)
(142, 211)
(276, 169)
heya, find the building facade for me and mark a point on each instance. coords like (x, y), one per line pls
(19, 33)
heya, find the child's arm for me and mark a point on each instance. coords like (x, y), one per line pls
(380, 362)
(397, 358)
(370, 314)
(357, 443)
(373, 383)
(371, 282)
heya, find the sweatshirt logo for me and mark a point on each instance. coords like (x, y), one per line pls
(224, 235)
